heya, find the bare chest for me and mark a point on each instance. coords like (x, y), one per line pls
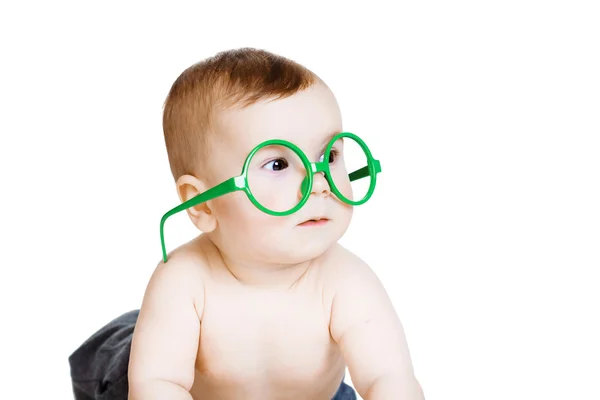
(267, 341)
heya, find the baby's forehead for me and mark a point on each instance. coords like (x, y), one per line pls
(242, 134)
(306, 119)
(311, 143)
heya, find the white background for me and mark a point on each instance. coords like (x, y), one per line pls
(485, 226)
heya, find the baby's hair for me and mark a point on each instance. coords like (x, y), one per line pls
(230, 79)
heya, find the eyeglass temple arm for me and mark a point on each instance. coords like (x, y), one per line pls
(364, 171)
(222, 188)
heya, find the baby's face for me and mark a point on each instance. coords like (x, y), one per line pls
(307, 119)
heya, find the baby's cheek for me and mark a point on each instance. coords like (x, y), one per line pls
(231, 214)
(347, 190)
(342, 183)
(344, 218)
(248, 219)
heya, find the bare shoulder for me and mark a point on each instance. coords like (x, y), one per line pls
(343, 273)
(342, 268)
(355, 292)
(186, 270)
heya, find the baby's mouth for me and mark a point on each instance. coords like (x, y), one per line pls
(315, 222)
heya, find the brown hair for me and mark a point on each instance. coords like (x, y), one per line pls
(237, 77)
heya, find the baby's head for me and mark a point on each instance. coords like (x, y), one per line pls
(216, 112)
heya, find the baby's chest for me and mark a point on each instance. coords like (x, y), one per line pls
(249, 338)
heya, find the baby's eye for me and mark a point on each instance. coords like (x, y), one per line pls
(332, 156)
(277, 164)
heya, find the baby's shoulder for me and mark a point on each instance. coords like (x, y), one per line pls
(185, 270)
(340, 265)
(189, 257)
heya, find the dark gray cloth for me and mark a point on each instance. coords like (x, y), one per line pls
(99, 365)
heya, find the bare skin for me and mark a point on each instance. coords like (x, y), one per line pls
(260, 344)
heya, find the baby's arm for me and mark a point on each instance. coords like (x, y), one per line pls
(165, 339)
(370, 335)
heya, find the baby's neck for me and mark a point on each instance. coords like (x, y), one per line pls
(267, 276)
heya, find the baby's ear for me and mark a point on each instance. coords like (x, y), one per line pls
(189, 186)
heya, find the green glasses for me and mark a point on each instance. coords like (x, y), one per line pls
(278, 177)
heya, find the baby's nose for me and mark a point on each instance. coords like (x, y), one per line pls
(320, 184)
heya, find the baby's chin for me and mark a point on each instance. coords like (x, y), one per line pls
(299, 245)
(296, 253)
(309, 245)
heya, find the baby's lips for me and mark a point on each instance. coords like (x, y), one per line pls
(315, 219)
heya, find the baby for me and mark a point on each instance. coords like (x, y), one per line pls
(264, 304)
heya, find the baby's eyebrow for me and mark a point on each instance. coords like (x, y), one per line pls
(328, 139)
